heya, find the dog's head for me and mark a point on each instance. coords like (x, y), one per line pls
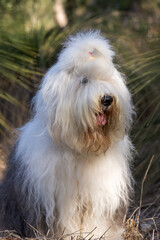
(83, 99)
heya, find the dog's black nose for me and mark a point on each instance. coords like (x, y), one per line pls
(106, 100)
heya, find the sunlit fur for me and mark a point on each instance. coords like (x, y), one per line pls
(75, 172)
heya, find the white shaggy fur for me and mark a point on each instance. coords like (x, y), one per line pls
(80, 187)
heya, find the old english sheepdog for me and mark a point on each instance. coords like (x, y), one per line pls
(70, 168)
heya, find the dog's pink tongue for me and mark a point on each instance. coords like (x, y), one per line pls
(101, 120)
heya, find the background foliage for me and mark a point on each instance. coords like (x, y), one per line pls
(30, 39)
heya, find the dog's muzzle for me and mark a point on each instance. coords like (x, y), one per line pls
(106, 102)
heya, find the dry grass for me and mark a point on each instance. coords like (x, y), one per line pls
(135, 229)
(132, 229)
(138, 227)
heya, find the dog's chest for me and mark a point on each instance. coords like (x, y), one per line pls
(85, 184)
